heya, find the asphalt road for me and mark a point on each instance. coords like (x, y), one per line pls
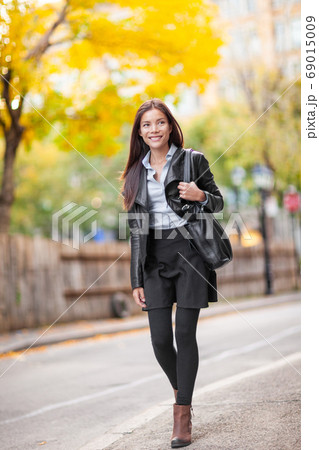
(65, 396)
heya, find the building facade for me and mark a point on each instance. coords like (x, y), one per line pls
(259, 35)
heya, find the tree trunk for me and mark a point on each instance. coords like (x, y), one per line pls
(12, 140)
(13, 133)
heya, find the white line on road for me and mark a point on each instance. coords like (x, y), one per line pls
(250, 347)
(248, 373)
(85, 398)
(130, 425)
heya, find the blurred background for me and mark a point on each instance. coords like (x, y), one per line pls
(73, 74)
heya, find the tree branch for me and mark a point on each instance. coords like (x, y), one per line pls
(67, 40)
(244, 81)
(44, 42)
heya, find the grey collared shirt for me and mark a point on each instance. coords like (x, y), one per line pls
(161, 214)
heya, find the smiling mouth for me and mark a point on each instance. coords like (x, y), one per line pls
(155, 137)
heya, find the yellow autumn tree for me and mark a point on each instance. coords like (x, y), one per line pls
(78, 69)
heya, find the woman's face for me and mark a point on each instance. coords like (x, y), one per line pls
(155, 129)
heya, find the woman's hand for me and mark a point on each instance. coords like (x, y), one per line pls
(138, 295)
(189, 191)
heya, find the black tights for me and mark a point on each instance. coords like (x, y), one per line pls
(181, 366)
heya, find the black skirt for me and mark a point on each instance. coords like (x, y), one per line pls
(174, 272)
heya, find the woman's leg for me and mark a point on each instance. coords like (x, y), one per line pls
(160, 321)
(187, 353)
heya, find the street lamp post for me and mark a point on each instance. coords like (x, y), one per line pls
(264, 180)
(237, 175)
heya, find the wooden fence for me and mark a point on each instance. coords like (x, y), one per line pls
(43, 281)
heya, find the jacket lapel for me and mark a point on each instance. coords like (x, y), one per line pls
(176, 168)
(175, 172)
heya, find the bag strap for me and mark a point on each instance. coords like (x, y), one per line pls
(187, 165)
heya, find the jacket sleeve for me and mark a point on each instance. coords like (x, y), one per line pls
(136, 266)
(204, 202)
(136, 271)
(205, 181)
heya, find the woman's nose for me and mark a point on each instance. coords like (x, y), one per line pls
(154, 127)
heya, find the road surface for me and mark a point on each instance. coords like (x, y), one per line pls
(65, 395)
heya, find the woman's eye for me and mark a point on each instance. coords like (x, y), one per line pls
(162, 122)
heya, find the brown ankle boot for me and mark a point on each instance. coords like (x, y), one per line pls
(181, 436)
(175, 393)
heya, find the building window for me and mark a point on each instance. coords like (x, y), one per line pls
(251, 5)
(276, 4)
(279, 37)
(238, 43)
(235, 8)
(295, 33)
(232, 8)
(244, 7)
(253, 42)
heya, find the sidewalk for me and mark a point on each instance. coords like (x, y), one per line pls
(60, 332)
(254, 410)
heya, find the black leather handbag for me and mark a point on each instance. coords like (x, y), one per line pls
(208, 236)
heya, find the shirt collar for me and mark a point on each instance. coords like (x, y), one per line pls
(169, 154)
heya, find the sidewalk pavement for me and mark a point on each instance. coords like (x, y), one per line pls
(254, 410)
(22, 339)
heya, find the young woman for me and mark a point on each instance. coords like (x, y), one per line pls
(165, 266)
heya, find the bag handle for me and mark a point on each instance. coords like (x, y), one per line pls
(187, 165)
(187, 174)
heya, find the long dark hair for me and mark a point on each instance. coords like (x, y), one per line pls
(138, 149)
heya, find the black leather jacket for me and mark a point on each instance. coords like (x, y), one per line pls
(138, 221)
